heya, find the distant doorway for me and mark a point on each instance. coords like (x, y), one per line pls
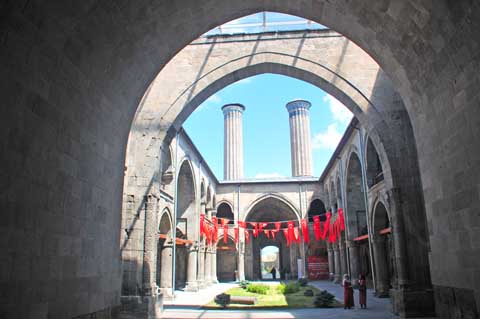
(270, 263)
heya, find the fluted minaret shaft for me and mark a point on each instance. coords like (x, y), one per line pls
(301, 148)
(233, 141)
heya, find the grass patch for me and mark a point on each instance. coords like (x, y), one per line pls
(274, 298)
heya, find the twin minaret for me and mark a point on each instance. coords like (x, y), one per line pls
(301, 150)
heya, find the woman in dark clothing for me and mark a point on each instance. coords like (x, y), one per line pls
(347, 292)
(274, 273)
(362, 287)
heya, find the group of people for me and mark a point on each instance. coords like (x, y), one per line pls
(348, 300)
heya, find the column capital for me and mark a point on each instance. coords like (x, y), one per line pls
(233, 107)
(296, 105)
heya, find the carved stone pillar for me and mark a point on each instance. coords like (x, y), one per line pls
(201, 265)
(241, 257)
(382, 280)
(213, 275)
(166, 270)
(150, 246)
(343, 258)
(338, 271)
(208, 266)
(331, 262)
(192, 284)
(354, 259)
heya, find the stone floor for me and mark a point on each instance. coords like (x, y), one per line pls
(186, 305)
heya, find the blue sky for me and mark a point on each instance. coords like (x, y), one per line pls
(265, 124)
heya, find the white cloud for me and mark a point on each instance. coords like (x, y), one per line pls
(215, 98)
(268, 175)
(212, 100)
(339, 111)
(327, 140)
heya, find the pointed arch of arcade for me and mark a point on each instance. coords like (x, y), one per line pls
(373, 115)
(225, 210)
(279, 197)
(186, 192)
(423, 73)
(164, 251)
(257, 211)
(355, 201)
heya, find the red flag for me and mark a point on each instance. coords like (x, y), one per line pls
(262, 225)
(247, 236)
(296, 233)
(285, 232)
(342, 219)
(273, 232)
(202, 225)
(215, 229)
(225, 233)
(255, 229)
(306, 235)
(235, 230)
(326, 225)
(291, 234)
(316, 227)
(267, 233)
(277, 226)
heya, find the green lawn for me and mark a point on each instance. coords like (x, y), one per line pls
(273, 299)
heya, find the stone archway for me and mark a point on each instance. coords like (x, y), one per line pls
(356, 220)
(224, 210)
(165, 253)
(89, 101)
(271, 209)
(185, 257)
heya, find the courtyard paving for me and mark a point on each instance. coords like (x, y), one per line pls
(187, 305)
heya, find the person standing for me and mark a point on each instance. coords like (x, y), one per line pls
(347, 292)
(362, 296)
(274, 273)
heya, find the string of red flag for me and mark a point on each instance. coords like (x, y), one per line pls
(326, 230)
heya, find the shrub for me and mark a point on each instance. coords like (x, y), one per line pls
(324, 299)
(303, 282)
(243, 284)
(291, 288)
(308, 293)
(222, 299)
(258, 288)
(281, 288)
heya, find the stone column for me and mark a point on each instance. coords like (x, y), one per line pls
(338, 271)
(201, 265)
(331, 261)
(241, 255)
(213, 275)
(233, 141)
(150, 242)
(167, 263)
(208, 266)
(343, 260)
(192, 284)
(354, 258)
(301, 149)
(382, 282)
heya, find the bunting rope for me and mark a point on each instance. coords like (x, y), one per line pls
(322, 230)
